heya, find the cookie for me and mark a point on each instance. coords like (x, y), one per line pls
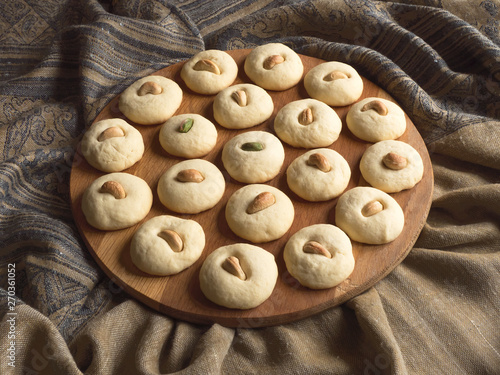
(369, 215)
(150, 100)
(116, 201)
(209, 72)
(166, 245)
(188, 135)
(319, 256)
(376, 119)
(274, 66)
(318, 175)
(253, 157)
(259, 213)
(307, 123)
(191, 186)
(334, 83)
(238, 276)
(242, 106)
(391, 166)
(112, 145)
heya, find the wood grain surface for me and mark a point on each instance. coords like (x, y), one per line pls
(179, 295)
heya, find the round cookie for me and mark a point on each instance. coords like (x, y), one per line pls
(150, 100)
(238, 276)
(319, 256)
(191, 186)
(253, 157)
(167, 245)
(188, 135)
(334, 83)
(307, 123)
(391, 166)
(274, 66)
(242, 106)
(369, 215)
(259, 213)
(318, 175)
(112, 145)
(116, 201)
(376, 119)
(209, 72)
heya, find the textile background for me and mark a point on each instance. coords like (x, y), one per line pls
(62, 61)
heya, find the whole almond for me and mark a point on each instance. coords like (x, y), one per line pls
(190, 175)
(173, 239)
(319, 161)
(372, 208)
(333, 76)
(314, 247)
(149, 87)
(207, 66)
(394, 161)
(376, 105)
(261, 202)
(112, 132)
(306, 117)
(114, 188)
(233, 266)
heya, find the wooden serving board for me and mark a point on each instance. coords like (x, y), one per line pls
(179, 295)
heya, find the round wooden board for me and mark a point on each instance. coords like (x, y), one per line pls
(179, 295)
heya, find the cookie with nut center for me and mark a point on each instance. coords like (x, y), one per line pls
(116, 201)
(191, 186)
(274, 66)
(253, 157)
(319, 256)
(112, 145)
(318, 175)
(376, 119)
(334, 83)
(208, 72)
(259, 213)
(391, 166)
(238, 276)
(369, 215)
(150, 100)
(166, 245)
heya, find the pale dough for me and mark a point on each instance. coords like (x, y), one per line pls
(253, 166)
(113, 154)
(336, 92)
(267, 225)
(317, 271)
(226, 289)
(377, 174)
(209, 82)
(198, 141)
(380, 228)
(284, 74)
(321, 132)
(103, 211)
(371, 126)
(311, 183)
(191, 197)
(153, 254)
(230, 114)
(150, 109)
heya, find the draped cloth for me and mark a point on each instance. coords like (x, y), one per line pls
(62, 61)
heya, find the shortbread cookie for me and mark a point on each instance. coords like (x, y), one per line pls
(318, 175)
(376, 119)
(112, 145)
(150, 100)
(391, 166)
(191, 186)
(259, 213)
(307, 123)
(188, 135)
(274, 66)
(369, 215)
(242, 106)
(209, 72)
(166, 245)
(116, 201)
(319, 256)
(334, 83)
(253, 157)
(238, 276)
